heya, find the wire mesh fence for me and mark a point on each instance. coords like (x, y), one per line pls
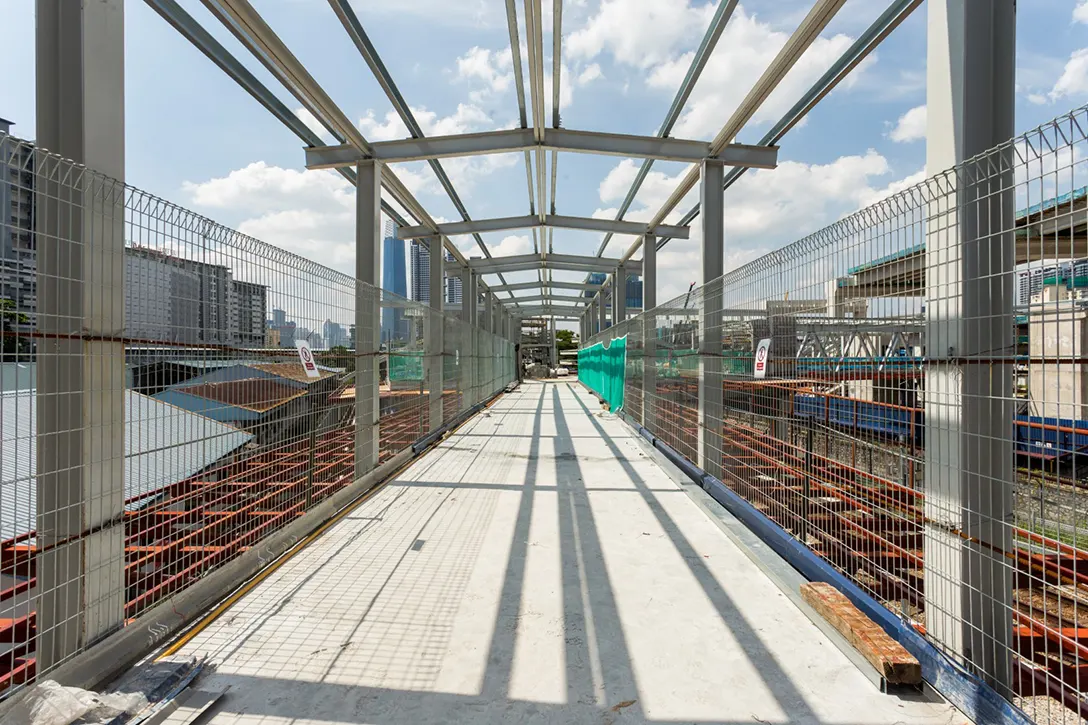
(905, 392)
(174, 391)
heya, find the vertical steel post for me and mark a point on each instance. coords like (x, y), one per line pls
(470, 311)
(619, 295)
(969, 406)
(80, 410)
(554, 352)
(602, 310)
(368, 303)
(435, 319)
(649, 331)
(712, 179)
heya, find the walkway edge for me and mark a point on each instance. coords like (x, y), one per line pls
(974, 698)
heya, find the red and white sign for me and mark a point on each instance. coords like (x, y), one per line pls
(307, 357)
(763, 352)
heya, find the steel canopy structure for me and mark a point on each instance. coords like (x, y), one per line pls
(535, 137)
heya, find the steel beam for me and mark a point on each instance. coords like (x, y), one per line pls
(602, 311)
(434, 332)
(522, 262)
(554, 298)
(550, 220)
(469, 314)
(544, 286)
(710, 328)
(971, 408)
(555, 139)
(368, 239)
(80, 588)
(619, 295)
(649, 333)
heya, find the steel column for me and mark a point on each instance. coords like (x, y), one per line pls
(555, 347)
(970, 408)
(619, 295)
(368, 298)
(649, 331)
(435, 322)
(712, 177)
(81, 384)
(469, 286)
(602, 311)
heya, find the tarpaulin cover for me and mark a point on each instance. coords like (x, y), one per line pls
(601, 369)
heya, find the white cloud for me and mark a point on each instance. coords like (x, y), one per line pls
(512, 245)
(591, 73)
(656, 38)
(639, 32)
(1080, 12)
(1074, 79)
(467, 118)
(310, 213)
(491, 70)
(911, 126)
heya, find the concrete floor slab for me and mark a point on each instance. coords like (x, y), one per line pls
(536, 567)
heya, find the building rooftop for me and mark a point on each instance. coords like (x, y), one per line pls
(257, 394)
(291, 371)
(164, 444)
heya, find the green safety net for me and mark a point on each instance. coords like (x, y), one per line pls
(405, 367)
(601, 369)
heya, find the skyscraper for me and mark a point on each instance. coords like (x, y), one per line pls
(393, 281)
(421, 276)
(421, 272)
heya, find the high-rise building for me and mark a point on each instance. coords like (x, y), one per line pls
(279, 318)
(335, 334)
(634, 292)
(173, 299)
(250, 305)
(394, 280)
(421, 272)
(453, 284)
(595, 278)
(421, 276)
(18, 251)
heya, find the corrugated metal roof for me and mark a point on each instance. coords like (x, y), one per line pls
(257, 394)
(164, 444)
(291, 371)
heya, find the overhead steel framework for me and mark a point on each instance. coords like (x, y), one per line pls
(537, 134)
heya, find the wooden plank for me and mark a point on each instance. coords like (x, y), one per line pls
(890, 659)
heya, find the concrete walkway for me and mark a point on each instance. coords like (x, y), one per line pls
(537, 567)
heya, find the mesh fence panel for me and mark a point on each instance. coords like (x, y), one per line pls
(905, 392)
(157, 415)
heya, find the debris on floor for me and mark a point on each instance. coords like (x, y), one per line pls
(50, 703)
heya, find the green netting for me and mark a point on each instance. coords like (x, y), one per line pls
(601, 369)
(406, 367)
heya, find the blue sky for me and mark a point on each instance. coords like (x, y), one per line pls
(195, 138)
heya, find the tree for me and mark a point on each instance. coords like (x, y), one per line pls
(564, 340)
(14, 347)
(338, 357)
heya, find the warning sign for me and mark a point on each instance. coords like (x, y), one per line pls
(763, 351)
(307, 358)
